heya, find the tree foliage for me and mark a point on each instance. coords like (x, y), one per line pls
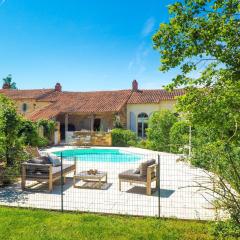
(158, 132)
(200, 33)
(179, 137)
(15, 133)
(11, 146)
(48, 128)
(8, 80)
(10, 122)
(202, 39)
(28, 131)
(123, 138)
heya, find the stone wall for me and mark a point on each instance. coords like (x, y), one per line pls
(123, 116)
(92, 139)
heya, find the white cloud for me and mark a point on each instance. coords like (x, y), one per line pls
(148, 27)
(137, 65)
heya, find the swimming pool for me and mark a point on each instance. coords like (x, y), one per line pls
(99, 155)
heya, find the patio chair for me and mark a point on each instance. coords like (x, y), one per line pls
(145, 174)
(40, 170)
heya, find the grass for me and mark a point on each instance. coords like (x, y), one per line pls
(27, 224)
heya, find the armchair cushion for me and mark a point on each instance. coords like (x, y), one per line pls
(40, 160)
(130, 175)
(55, 160)
(145, 165)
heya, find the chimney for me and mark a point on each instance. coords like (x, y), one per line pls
(134, 86)
(6, 86)
(58, 87)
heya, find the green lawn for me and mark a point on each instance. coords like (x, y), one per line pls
(38, 224)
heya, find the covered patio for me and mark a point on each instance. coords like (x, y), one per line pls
(85, 122)
(84, 112)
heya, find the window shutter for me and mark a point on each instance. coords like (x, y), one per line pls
(132, 121)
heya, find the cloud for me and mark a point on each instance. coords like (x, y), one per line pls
(137, 65)
(148, 27)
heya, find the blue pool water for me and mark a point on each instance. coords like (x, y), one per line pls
(99, 155)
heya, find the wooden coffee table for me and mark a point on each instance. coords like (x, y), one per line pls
(99, 177)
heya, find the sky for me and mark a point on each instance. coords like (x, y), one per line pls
(85, 45)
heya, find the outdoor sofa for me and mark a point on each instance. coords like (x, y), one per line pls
(145, 174)
(42, 170)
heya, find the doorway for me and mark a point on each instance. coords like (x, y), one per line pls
(71, 128)
(97, 124)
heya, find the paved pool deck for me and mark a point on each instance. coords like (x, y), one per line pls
(180, 194)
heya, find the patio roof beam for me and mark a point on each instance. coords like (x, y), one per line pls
(66, 124)
(92, 122)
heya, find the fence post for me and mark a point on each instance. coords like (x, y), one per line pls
(158, 187)
(61, 182)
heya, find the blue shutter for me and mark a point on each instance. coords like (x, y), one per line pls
(132, 122)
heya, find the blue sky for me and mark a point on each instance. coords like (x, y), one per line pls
(83, 44)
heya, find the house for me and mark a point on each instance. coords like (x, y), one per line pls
(93, 111)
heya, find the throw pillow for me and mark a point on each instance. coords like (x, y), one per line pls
(56, 162)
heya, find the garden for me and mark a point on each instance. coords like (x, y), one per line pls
(202, 40)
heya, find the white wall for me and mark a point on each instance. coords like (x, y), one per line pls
(148, 109)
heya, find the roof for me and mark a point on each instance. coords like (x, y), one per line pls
(154, 96)
(26, 94)
(88, 102)
(83, 102)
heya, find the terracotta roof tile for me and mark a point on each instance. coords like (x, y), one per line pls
(83, 102)
(88, 102)
(154, 96)
(26, 94)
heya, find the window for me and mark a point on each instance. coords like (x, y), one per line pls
(142, 124)
(24, 107)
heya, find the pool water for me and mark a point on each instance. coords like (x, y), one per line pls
(99, 155)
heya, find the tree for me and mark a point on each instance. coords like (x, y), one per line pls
(158, 132)
(202, 39)
(48, 128)
(179, 137)
(10, 122)
(28, 131)
(11, 146)
(8, 81)
(201, 33)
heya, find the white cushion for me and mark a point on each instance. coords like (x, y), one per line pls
(54, 160)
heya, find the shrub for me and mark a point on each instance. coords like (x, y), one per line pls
(226, 230)
(179, 136)
(123, 138)
(10, 143)
(48, 128)
(28, 132)
(158, 133)
(42, 142)
(142, 143)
